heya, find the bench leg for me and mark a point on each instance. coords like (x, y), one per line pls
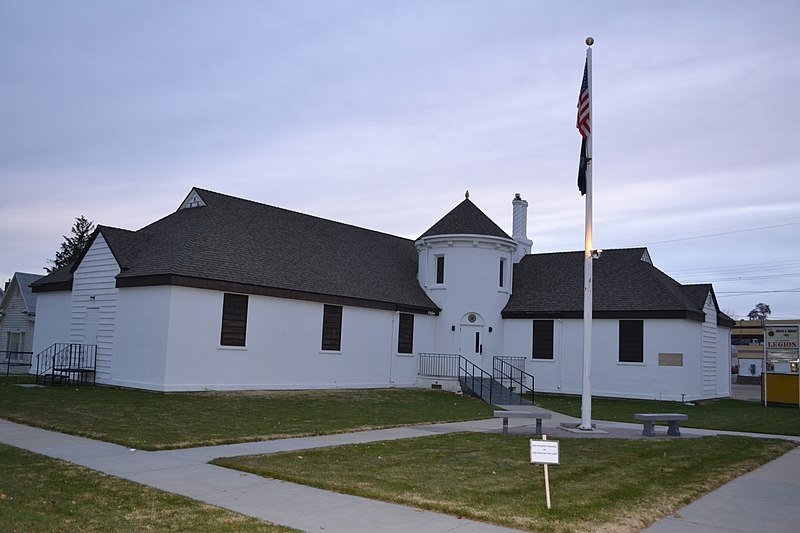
(648, 430)
(538, 427)
(673, 430)
(505, 425)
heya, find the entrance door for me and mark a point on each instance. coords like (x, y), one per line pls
(471, 340)
(92, 323)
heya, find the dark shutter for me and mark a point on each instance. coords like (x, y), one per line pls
(234, 320)
(405, 334)
(542, 339)
(631, 341)
(440, 269)
(332, 328)
(502, 271)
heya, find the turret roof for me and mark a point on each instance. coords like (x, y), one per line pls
(466, 219)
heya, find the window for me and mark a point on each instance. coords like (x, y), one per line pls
(631, 341)
(15, 345)
(234, 320)
(502, 272)
(332, 328)
(405, 334)
(440, 269)
(542, 339)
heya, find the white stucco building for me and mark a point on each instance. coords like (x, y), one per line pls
(228, 294)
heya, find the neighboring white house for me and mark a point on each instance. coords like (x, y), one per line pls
(227, 293)
(17, 318)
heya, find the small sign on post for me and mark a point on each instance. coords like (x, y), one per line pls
(544, 452)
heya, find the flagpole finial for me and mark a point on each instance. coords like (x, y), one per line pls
(590, 41)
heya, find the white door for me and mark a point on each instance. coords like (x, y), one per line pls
(92, 323)
(471, 345)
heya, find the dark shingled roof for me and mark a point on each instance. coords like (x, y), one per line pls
(23, 280)
(244, 246)
(623, 286)
(466, 219)
(124, 244)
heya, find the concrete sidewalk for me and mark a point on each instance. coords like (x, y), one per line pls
(763, 500)
(187, 473)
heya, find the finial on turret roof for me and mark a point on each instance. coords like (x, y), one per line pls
(466, 195)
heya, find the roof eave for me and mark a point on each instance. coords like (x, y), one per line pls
(623, 315)
(292, 294)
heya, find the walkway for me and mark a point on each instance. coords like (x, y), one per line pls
(763, 500)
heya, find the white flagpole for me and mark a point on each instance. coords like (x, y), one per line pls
(586, 396)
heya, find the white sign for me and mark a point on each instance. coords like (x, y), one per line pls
(544, 452)
(782, 342)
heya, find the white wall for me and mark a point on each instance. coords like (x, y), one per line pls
(723, 361)
(283, 344)
(471, 285)
(94, 287)
(140, 344)
(647, 380)
(52, 321)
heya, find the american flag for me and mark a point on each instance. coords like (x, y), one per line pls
(584, 124)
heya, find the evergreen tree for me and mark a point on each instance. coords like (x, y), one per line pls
(72, 246)
(760, 312)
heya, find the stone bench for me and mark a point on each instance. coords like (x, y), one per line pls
(538, 415)
(672, 419)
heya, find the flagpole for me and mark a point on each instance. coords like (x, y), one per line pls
(586, 395)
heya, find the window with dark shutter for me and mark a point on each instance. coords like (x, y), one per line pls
(332, 328)
(502, 271)
(631, 341)
(440, 269)
(234, 320)
(542, 339)
(405, 334)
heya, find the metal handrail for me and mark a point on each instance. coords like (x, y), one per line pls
(13, 354)
(467, 371)
(444, 365)
(72, 361)
(480, 382)
(502, 367)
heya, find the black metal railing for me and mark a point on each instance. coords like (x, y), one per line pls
(476, 380)
(19, 361)
(505, 385)
(440, 365)
(67, 363)
(510, 371)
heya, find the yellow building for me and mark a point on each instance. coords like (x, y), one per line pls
(747, 347)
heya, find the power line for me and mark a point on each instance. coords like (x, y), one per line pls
(722, 233)
(743, 293)
(784, 222)
(748, 278)
(744, 268)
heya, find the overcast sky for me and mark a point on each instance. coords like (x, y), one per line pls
(382, 113)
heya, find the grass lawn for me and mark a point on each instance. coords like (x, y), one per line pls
(733, 415)
(155, 421)
(601, 484)
(42, 494)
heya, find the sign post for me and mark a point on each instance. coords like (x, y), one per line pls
(545, 453)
